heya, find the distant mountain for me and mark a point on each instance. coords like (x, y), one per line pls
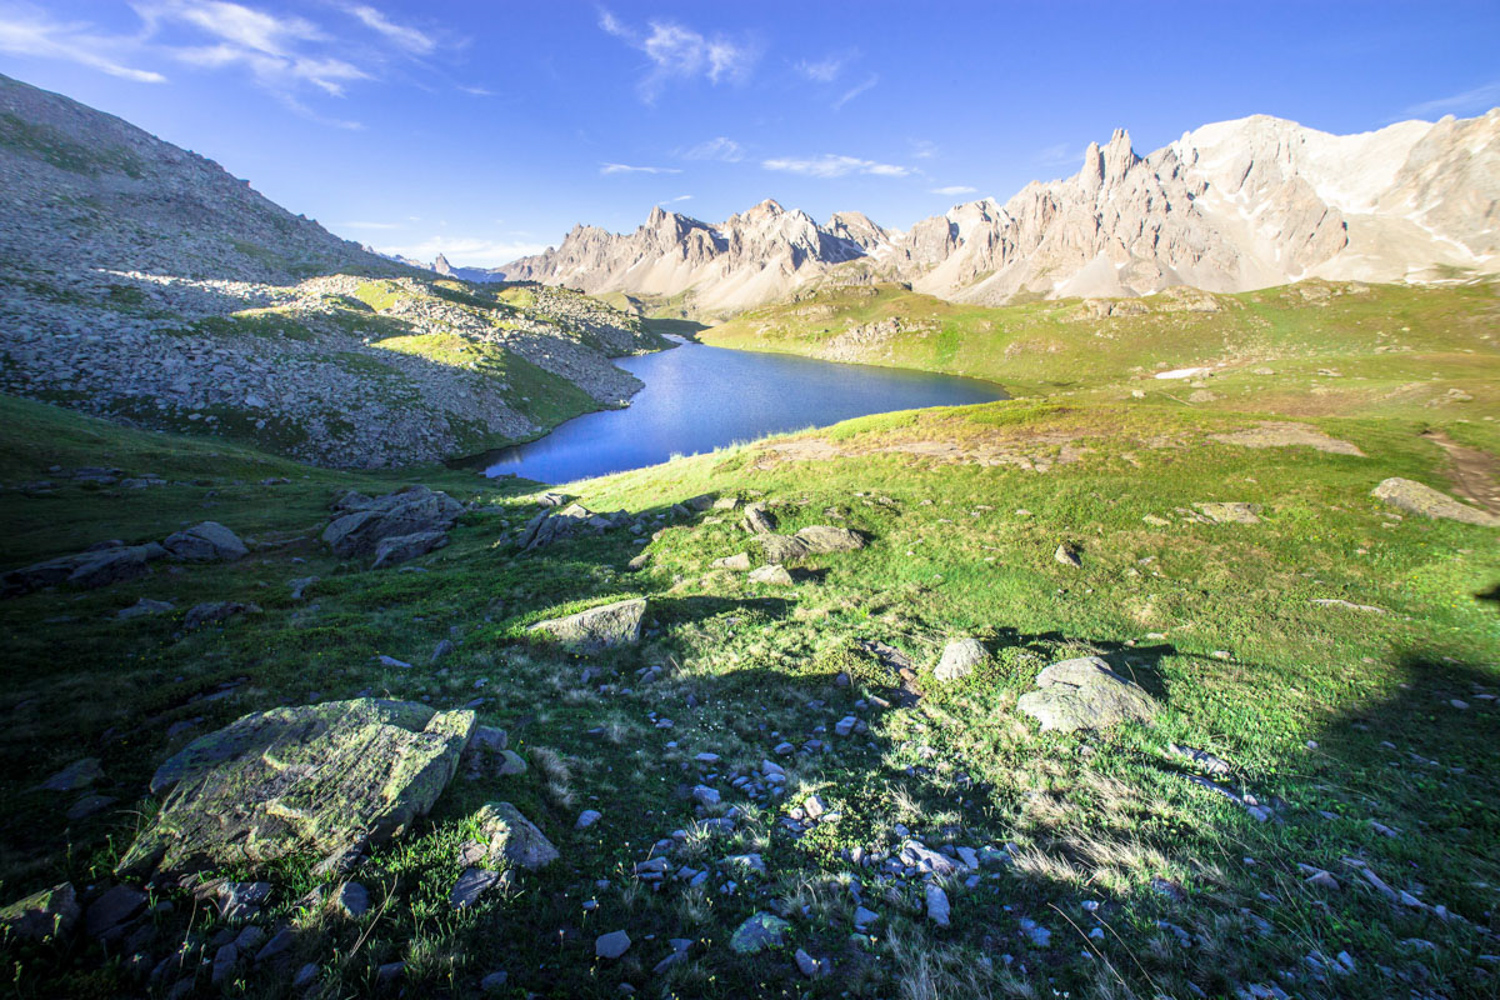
(1232, 206)
(755, 256)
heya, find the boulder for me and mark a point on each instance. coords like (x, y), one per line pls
(206, 542)
(960, 657)
(112, 912)
(772, 575)
(51, 912)
(144, 606)
(399, 548)
(782, 548)
(472, 884)
(361, 522)
(327, 778)
(1414, 498)
(938, 909)
(611, 945)
(79, 774)
(759, 932)
(1067, 555)
(211, 612)
(758, 520)
(100, 569)
(739, 562)
(614, 624)
(821, 538)
(1085, 693)
(514, 838)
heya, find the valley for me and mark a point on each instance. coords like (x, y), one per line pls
(1176, 674)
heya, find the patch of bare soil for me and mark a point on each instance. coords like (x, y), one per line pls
(1475, 474)
(1276, 434)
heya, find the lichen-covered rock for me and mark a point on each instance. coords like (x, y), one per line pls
(320, 779)
(363, 522)
(773, 575)
(206, 542)
(759, 932)
(211, 612)
(960, 657)
(1084, 693)
(1415, 498)
(514, 838)
(1230, 513)
(614, 624)
(99, 566)
(779, 549)
(820, 538)
(758, 520)
(400, 548)
(50, 913)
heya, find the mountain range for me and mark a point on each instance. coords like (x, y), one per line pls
(1232, 206)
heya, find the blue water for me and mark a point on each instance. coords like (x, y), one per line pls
(698, 398)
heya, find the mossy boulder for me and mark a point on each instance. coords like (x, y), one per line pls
(314, 779)
(50, 913)
(1415, 498)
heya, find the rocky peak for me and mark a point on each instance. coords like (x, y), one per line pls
(441, 266)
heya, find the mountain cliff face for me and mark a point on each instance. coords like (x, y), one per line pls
(1232, 206)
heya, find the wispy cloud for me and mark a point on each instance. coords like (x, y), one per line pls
(719, 148)
(827, 69)
(923, 149)
(461, 251)
(954, 189)
(681, 197)
(1480, 99)
(830, 165)
(475, 91)
(605, 169)
(401, 35)
(30, 32)
(678, 53)
(855, 91)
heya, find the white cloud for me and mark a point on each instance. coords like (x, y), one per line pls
(476, 91)
(403, 36)
(719, 148)
(28, 32)
(824, 70)
(923, 149)
(854, 92)
(953, 189)
(465, 251)
(681, 197)
(1474, 101)
(274, 71)
(235, 23)
(830, 165)
(605, 169)
(680, 53)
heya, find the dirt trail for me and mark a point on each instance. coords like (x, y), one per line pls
(1475, 474)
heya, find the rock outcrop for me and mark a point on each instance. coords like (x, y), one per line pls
(397, 526)
(1416, 498)
(616, 624)
(327, 779)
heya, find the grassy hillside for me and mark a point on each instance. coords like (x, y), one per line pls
(1315, 348)
(1112, 873)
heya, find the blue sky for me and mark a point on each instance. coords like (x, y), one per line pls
(487, 129)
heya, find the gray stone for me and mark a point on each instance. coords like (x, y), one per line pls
(494, 982)
(206, 542)
(938, 910)
(612, 945)
(79, 774)
(306, 976)
(362, 523)
(759, 932)
(588, 818)
(822, 538)
(353, 900)
(704, 795)
(598, 628)
(1068, 556)
(329, 778)
(960, 657)
(1415, 498)
(400, 548)
(515, 838)
(758, 520)
(212, 612)
(88, 805)
(242, 900)
(473, 883)
(116, 906)
(299, 586)
(51, 912)
(225, 959)
(1230, 513)
(773, 575)
(281, 942)
(1085, 693)
(779, 549)
(739, 562)
(442, 649)
(144, 606)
